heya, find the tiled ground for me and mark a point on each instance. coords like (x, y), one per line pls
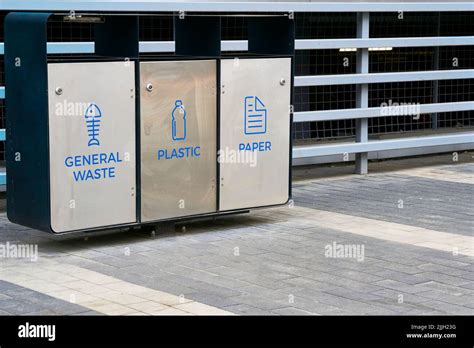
(415, 225)
(16, 300)
(397, 198)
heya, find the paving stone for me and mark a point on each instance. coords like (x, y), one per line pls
(448, 279)
(315, 307)
(17, 307)
(309, 283)
(259, 302)
(43, 312)
(245, 309)
(393, 295)
(404, 277)
(449, 308)
(355, 295)
(403, 287)
(218, 301)
(4, 297)
(469, 286)
(291, 311)
(460, 300)
(452, 290)
(200, 309)
(89, 313)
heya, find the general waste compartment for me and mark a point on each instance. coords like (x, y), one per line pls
(91, 144)
(254, 132)
(178, 138)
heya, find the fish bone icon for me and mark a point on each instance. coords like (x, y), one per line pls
(93, 116)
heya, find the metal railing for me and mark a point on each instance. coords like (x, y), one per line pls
(362, 78)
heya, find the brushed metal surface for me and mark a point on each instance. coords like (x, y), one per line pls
(267, 183)
(184, 186)
(105, 92)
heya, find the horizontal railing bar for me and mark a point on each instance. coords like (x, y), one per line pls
(233, 6)
(381, 145)
(348, 114)
(145, 47)
(385, 42)
(348, 79)
(169, 46)
(70, 47)
(242, 45)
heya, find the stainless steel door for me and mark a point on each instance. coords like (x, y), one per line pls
(92, 144)
(178, 138)
(254, 132)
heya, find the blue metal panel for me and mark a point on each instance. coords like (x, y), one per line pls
(2, 134)
(27, 152)
(3, 179)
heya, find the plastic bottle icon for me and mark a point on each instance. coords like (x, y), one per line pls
(178, 121)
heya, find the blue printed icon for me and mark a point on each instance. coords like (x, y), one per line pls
(255, 116)
(178, 121)
(93, 116)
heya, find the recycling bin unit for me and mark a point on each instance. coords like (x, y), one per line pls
(116, 142)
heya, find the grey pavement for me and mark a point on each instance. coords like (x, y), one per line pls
(397, 198)
(274, 261)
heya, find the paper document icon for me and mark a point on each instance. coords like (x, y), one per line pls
(255, 116)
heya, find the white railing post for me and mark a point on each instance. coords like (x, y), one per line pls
(434, 117)
(362, 125)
